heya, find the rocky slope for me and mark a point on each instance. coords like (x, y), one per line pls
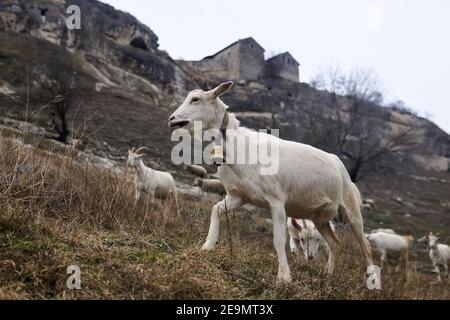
(135, 85)
(126, 89)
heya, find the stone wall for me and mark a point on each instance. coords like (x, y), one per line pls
(224, 64)
(282, 66)
(243, 60)
(251, 60)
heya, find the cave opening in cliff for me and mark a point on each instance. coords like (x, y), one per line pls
(139, 42)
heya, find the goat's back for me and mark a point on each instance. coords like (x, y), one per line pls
(388, 241)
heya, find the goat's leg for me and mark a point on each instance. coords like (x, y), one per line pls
(293, 244)
(405, 265)
(328, 234)
(279, 241)
(383, 259)
(446, 271)
(152, 196)
(437, 270)
(356, 223)
(230, 202)
(175, 196)
(137, 196)
(137, 191)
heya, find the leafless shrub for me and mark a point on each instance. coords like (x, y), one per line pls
(351, 130)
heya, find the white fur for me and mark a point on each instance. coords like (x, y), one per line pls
(157, 183)
(383, 230)
(197, 170)
(211, 185)
(305, 235)
(385, 242)
(310, 183)
(439, 254)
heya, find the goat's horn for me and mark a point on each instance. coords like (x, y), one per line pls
(140, 149)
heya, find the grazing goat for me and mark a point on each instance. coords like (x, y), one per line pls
(210, 185)
(309, 183)
(439, 254)
(385, 242)
(157, 183)
(196, 170)
(304, 233)
(383, 230)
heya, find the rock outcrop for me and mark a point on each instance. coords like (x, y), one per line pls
(136, 85)
(116, 49)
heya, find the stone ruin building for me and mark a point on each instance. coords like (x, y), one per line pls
(244, 60)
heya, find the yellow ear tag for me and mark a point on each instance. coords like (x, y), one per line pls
(217, 155)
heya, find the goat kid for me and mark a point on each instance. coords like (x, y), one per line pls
(157, 183)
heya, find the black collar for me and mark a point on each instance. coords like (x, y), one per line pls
(223, 132)
(223, 127)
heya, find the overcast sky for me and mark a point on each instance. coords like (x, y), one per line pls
(407, 43)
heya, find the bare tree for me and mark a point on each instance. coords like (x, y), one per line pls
(60, 96)
(351, 130)
(58, 90)
(359, 84)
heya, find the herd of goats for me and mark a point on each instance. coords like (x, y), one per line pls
(309, 191)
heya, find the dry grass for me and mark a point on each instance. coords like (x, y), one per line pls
(55, 213)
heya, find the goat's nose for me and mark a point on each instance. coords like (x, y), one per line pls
(310, 257)
(172, 118)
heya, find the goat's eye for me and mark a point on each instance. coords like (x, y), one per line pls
(195, 99)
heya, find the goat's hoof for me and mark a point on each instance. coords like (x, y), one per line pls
(208, 246)
(283, 279)
(329, 271)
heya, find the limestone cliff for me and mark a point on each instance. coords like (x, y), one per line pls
(136, 85)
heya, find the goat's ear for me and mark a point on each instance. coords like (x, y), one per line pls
(221, 89)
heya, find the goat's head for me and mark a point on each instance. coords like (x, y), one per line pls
(134, 156)
(205, 107)
(433, 240)
(310, 239)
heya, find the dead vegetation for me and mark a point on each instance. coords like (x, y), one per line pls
(55, 213)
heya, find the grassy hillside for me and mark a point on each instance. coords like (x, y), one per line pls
(55, 212)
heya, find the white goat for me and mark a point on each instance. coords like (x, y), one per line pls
(309, 183)
(157, 183)
(304, 233)
(210, 185)
(385, 242)
(383, 230)
(439, 254)
(197, 170)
